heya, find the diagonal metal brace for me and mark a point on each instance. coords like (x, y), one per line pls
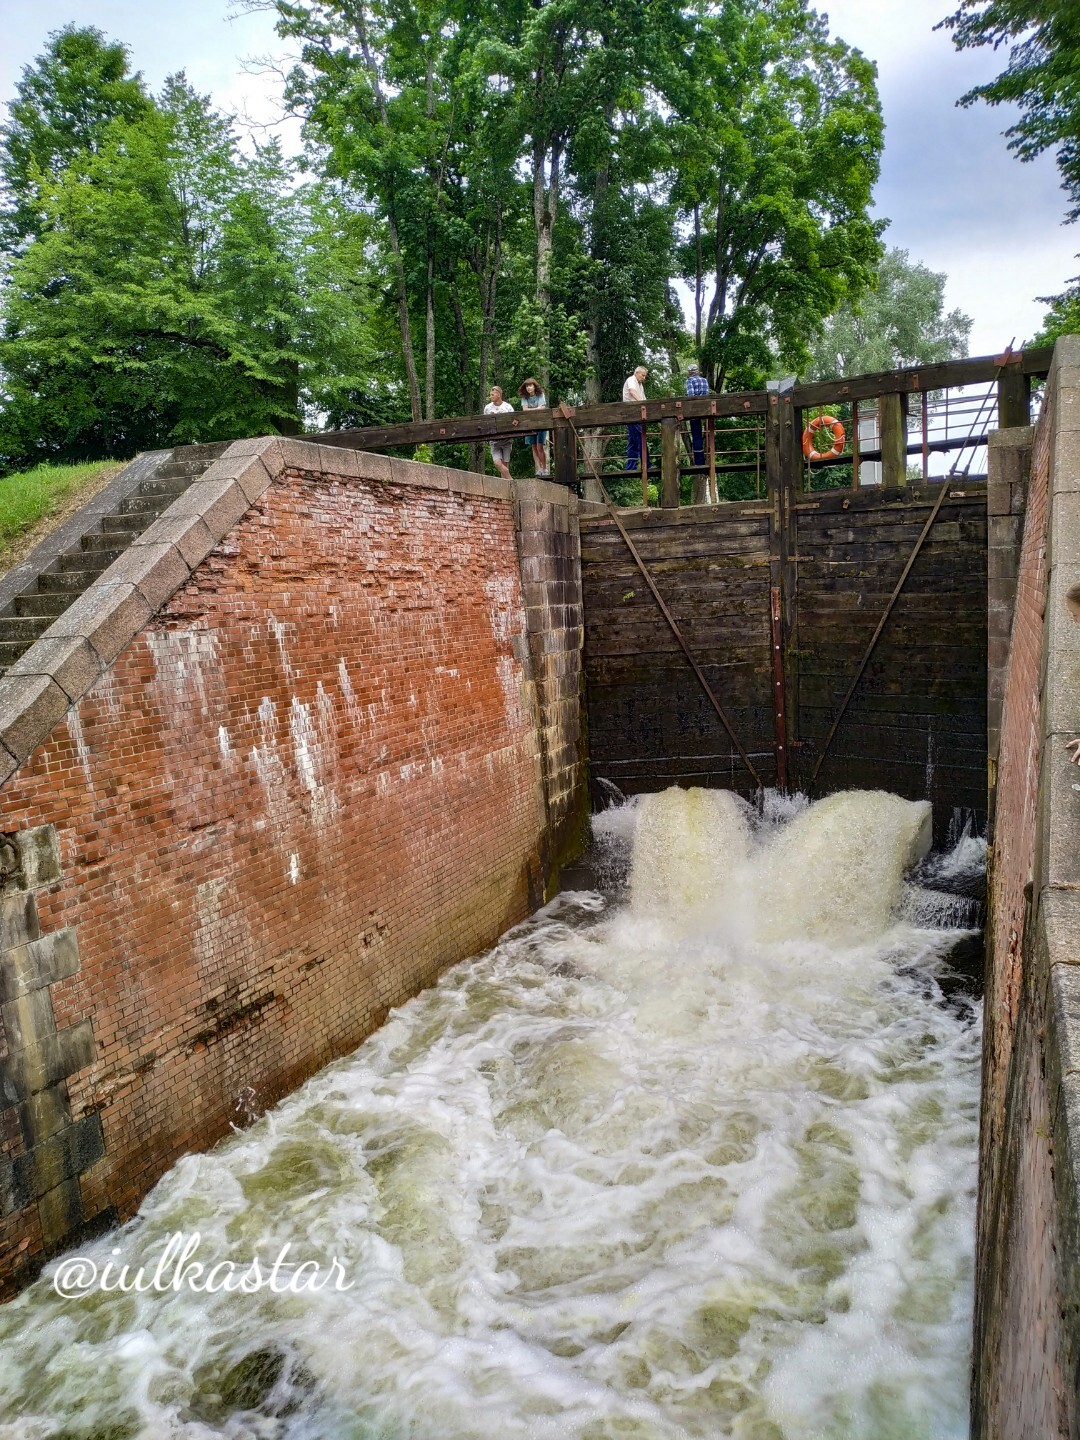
(946, 486)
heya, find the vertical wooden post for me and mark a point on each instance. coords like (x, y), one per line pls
(1014, 400)
(669, 462)
(565, 445)
(925, 406)
(855, 444)
(710, 441)
(783, 458)
(892, 421)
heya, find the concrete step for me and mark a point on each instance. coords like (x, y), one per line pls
(111, 540)
(51, 605)
(135, 507)
(65, 582)
(205, 453)
(12, 650)
(182, 469)
(133, 524)
(166, 488)
(26, 628)
(90, 562)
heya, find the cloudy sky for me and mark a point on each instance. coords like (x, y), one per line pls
(955, 197)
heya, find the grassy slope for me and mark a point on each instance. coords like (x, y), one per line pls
(33, 502)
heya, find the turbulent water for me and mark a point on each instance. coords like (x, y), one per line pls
(694, 1158)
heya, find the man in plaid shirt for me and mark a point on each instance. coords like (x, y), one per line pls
(696, 386)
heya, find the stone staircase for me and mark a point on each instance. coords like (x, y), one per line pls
(28, 615)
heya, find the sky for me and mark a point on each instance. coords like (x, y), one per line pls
(956, 199)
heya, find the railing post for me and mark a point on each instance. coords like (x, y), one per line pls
(892, 420)
(669, 462)
(1014, 400)
(565, 447)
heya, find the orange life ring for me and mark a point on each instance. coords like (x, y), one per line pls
(810, 450)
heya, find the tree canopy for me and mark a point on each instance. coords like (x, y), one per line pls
(487, 191)
(900, 321)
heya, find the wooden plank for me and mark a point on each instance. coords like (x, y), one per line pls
(456, 429)
(669, 463)
(564, 445)
(892, 418)
(975, 370)
(1014, 401)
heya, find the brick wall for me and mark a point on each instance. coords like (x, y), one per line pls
(1026, 1374)
(337, 758)
(1009, 459)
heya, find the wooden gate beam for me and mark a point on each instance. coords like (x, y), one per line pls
(783, 462)
(892, 419)
(669, 462)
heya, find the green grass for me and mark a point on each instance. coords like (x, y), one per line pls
(29, 499)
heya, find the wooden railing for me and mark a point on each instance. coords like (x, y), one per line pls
(781, 448)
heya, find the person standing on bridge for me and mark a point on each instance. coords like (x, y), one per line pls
(696, 388)
(533, 398)
(637, 447)
(502, 446)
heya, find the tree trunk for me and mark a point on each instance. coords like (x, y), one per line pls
(594, 446)
(545, 209)
(698, 277)
(429, 349)
(403, 320)
(429, 294)
(360, 20)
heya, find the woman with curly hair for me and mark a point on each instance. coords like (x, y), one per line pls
(533, 398)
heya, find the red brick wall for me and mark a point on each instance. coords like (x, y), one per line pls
(311, 783)
(1019, 1344)
(1016, 796)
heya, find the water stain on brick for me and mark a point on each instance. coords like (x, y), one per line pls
(226, 941)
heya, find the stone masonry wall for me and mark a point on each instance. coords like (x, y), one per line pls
(310, 741)
(1026, 1374)
(1010, 468)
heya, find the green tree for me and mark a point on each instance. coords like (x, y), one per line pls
(158, 303)
(64, 105)
(1063, 317)
(781, 137)
(901, 320)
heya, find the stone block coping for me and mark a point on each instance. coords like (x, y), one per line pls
(82, 643)
(1057, 869)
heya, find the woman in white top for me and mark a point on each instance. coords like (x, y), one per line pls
(500, 448)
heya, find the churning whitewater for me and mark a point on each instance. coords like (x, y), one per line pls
(691, 1156)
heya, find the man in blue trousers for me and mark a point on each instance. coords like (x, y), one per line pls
(696, 387)
(633, 392)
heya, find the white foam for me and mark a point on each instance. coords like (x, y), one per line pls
(653, 1170)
